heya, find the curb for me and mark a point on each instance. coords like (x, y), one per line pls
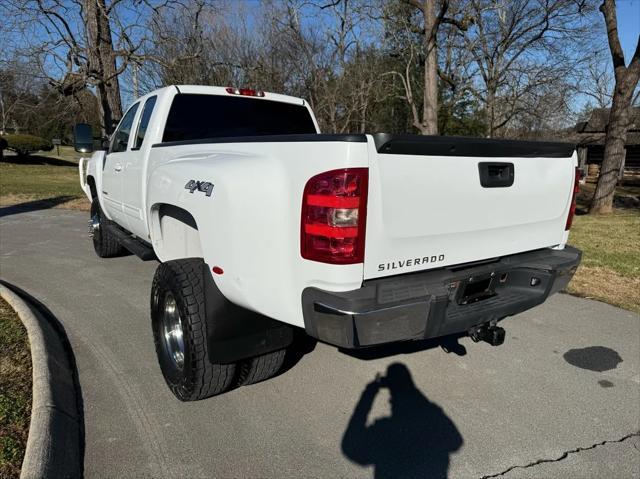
(55, 446)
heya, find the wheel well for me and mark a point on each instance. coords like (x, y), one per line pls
(92, 186)
(175, 233)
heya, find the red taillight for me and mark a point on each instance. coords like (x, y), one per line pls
(334, 213)
(244, 91)
(572, 208)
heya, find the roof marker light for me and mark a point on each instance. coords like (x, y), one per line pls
(244, 91)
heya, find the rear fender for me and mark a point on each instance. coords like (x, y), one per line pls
(174, 232)
(233, 332)
(245, 200)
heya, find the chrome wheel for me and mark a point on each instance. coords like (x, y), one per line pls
(94, 225)
(172, 331)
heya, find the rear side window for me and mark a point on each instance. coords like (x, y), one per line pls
(197, 117)
(121, 136)
(144, 121)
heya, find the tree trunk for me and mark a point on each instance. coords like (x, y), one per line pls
(614, 151)
(618, 124)
(102, 63)
(430, 100)
(582, 158)
(491, 111)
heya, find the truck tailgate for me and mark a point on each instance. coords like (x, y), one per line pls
(438, 201)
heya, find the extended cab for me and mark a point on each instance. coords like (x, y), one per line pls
(261, 225)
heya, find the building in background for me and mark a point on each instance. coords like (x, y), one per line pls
(589, 137)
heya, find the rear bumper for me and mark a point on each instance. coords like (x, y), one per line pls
(428, 305)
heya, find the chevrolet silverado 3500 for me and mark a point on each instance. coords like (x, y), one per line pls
(262, 224)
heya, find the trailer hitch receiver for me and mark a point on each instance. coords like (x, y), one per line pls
(494, 335)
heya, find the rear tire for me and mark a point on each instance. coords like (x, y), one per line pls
(105, 243)
(260, 368)
(179, 325)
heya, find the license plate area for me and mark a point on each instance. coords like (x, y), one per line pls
(476, 289)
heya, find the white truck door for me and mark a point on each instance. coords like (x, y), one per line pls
(132, 181)
(114, 168)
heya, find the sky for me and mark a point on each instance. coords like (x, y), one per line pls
(628, 16)
(628, 12)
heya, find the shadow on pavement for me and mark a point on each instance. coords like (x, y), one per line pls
(34, 205)
(415, 441)
(301, 346)
(449, 344)
(37, 160)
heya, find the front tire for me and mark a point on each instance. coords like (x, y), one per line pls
(179, 325)
(105, 243)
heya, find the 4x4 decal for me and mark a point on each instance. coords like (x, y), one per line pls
(205, 186)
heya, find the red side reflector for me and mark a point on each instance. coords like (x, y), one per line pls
(244, 91)
(217, 270)
(572, 208)
(334, 211)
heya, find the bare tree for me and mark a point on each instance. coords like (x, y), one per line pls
(520, 48)
(458, 111)
(83, 43)
(626, 79)
(30, 105)
(101, 67)
(599, 81)
(19, 95)
(320, 47)
(72, 44)
(432, 16)
(448, 66)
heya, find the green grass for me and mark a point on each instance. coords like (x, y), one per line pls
(40, 177)
(66, 153)
(610, 269)
(611, 242)
(15, 391)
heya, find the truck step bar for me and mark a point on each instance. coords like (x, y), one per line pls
(136, 246)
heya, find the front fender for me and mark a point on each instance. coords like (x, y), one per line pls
(92, 167)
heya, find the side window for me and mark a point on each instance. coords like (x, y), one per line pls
(121, 136)
(144, 121)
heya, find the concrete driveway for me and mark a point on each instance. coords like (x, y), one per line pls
(561, 397)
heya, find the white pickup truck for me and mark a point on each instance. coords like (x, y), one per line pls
(261, 224)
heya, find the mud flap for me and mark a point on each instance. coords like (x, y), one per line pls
(235, 333)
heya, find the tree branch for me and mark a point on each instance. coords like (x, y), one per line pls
(608, 9)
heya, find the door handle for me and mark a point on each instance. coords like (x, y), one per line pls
(118, 167)
(496, 175)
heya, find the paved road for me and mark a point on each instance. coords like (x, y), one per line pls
(561, 397)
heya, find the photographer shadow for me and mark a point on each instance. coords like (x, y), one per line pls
(415, 441)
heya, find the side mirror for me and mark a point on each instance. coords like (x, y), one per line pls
(82, 138)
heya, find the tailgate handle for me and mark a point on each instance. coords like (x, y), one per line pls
(496, 175)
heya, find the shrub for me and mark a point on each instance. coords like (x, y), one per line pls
(24, 145)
